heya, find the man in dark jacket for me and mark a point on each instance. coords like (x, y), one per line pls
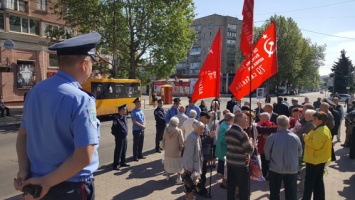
(317, 103)
(120, 129)
(207, 142)
(280, 108)
(231, 103)
(160, 124)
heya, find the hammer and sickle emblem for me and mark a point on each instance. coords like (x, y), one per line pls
(271, 50)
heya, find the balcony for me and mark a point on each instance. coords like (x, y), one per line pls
(19, 5)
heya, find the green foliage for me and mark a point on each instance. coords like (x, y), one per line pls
(298, 58)
(344, 73)
(134, 30)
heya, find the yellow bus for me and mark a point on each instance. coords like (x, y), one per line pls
(111, 93)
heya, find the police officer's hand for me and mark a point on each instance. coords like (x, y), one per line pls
(37, 181)
(22, 175)
(143, 127)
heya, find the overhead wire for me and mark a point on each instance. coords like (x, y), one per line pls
(309, 8)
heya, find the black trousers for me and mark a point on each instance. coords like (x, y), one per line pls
(238, 176)
(314, 182)
(138, 140)
(119, 156)
(159, 135)
(264, 165)
(290, 184)
(7, 111)
(72, 191)
(203, 175)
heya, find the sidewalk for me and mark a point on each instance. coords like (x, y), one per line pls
(145, 180)
(15, 118)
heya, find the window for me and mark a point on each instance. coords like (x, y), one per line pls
(115, 90)
(17, 5)
(48, 28)
(15, 23)
(24, 25)
(231, 42)
(2, 22)
(231, 34)
(34, 27)
(232, 26)
(53, 60)
(41, 5)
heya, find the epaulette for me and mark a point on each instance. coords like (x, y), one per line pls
(88, 92)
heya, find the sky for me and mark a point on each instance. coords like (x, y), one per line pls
(329, 22)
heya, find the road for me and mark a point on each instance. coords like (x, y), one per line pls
(8, 157)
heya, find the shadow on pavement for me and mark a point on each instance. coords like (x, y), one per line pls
(143, 190)
(349, 188)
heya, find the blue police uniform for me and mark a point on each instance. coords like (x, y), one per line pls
(137, 114)
(160, 124)
(60, 116)
(195, 108)
(171, 113)
(120, 130)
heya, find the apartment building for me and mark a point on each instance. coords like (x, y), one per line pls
(24, 56)
(207, 28)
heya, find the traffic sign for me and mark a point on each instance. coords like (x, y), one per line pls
(9, 44)
(348, 88)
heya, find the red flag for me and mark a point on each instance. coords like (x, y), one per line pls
(247, 37)
(264, 65)
(208, 83)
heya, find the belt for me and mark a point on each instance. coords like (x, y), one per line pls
(72, 184)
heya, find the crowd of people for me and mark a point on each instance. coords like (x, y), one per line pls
(57, 143)
(286, 137)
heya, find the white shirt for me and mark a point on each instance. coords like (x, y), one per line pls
(187, 126)
(237, 108)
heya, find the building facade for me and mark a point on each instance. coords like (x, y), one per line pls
(207, 28)
(25, 58)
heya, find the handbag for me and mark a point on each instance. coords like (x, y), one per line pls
(182, 151)
(254, 165)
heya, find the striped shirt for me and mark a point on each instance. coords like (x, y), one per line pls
(238, 146)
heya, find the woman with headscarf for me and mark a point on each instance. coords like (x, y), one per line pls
(173, 143)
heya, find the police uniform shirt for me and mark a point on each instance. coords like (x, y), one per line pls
(59, 117)
(119, 127)
(196, 108)
(159, 114)
(171, 113)
(137, 115)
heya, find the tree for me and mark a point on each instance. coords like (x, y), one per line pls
(298, 59)
(135, 30)
(343, 70)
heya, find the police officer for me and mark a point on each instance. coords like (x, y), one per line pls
(138, 120)
(120, 129)
(59, 134)
(173, 110)
(159, 114)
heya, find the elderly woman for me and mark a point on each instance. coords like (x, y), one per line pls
(265, 128)
(317, 152)
(173, 143)
(187, 126)
(308, 126)
(193, 157)
(221, 145)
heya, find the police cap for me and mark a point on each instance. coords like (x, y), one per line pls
(176, 100)
(137, 100)
(122, 107)
(160, 101)
(80, 45)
